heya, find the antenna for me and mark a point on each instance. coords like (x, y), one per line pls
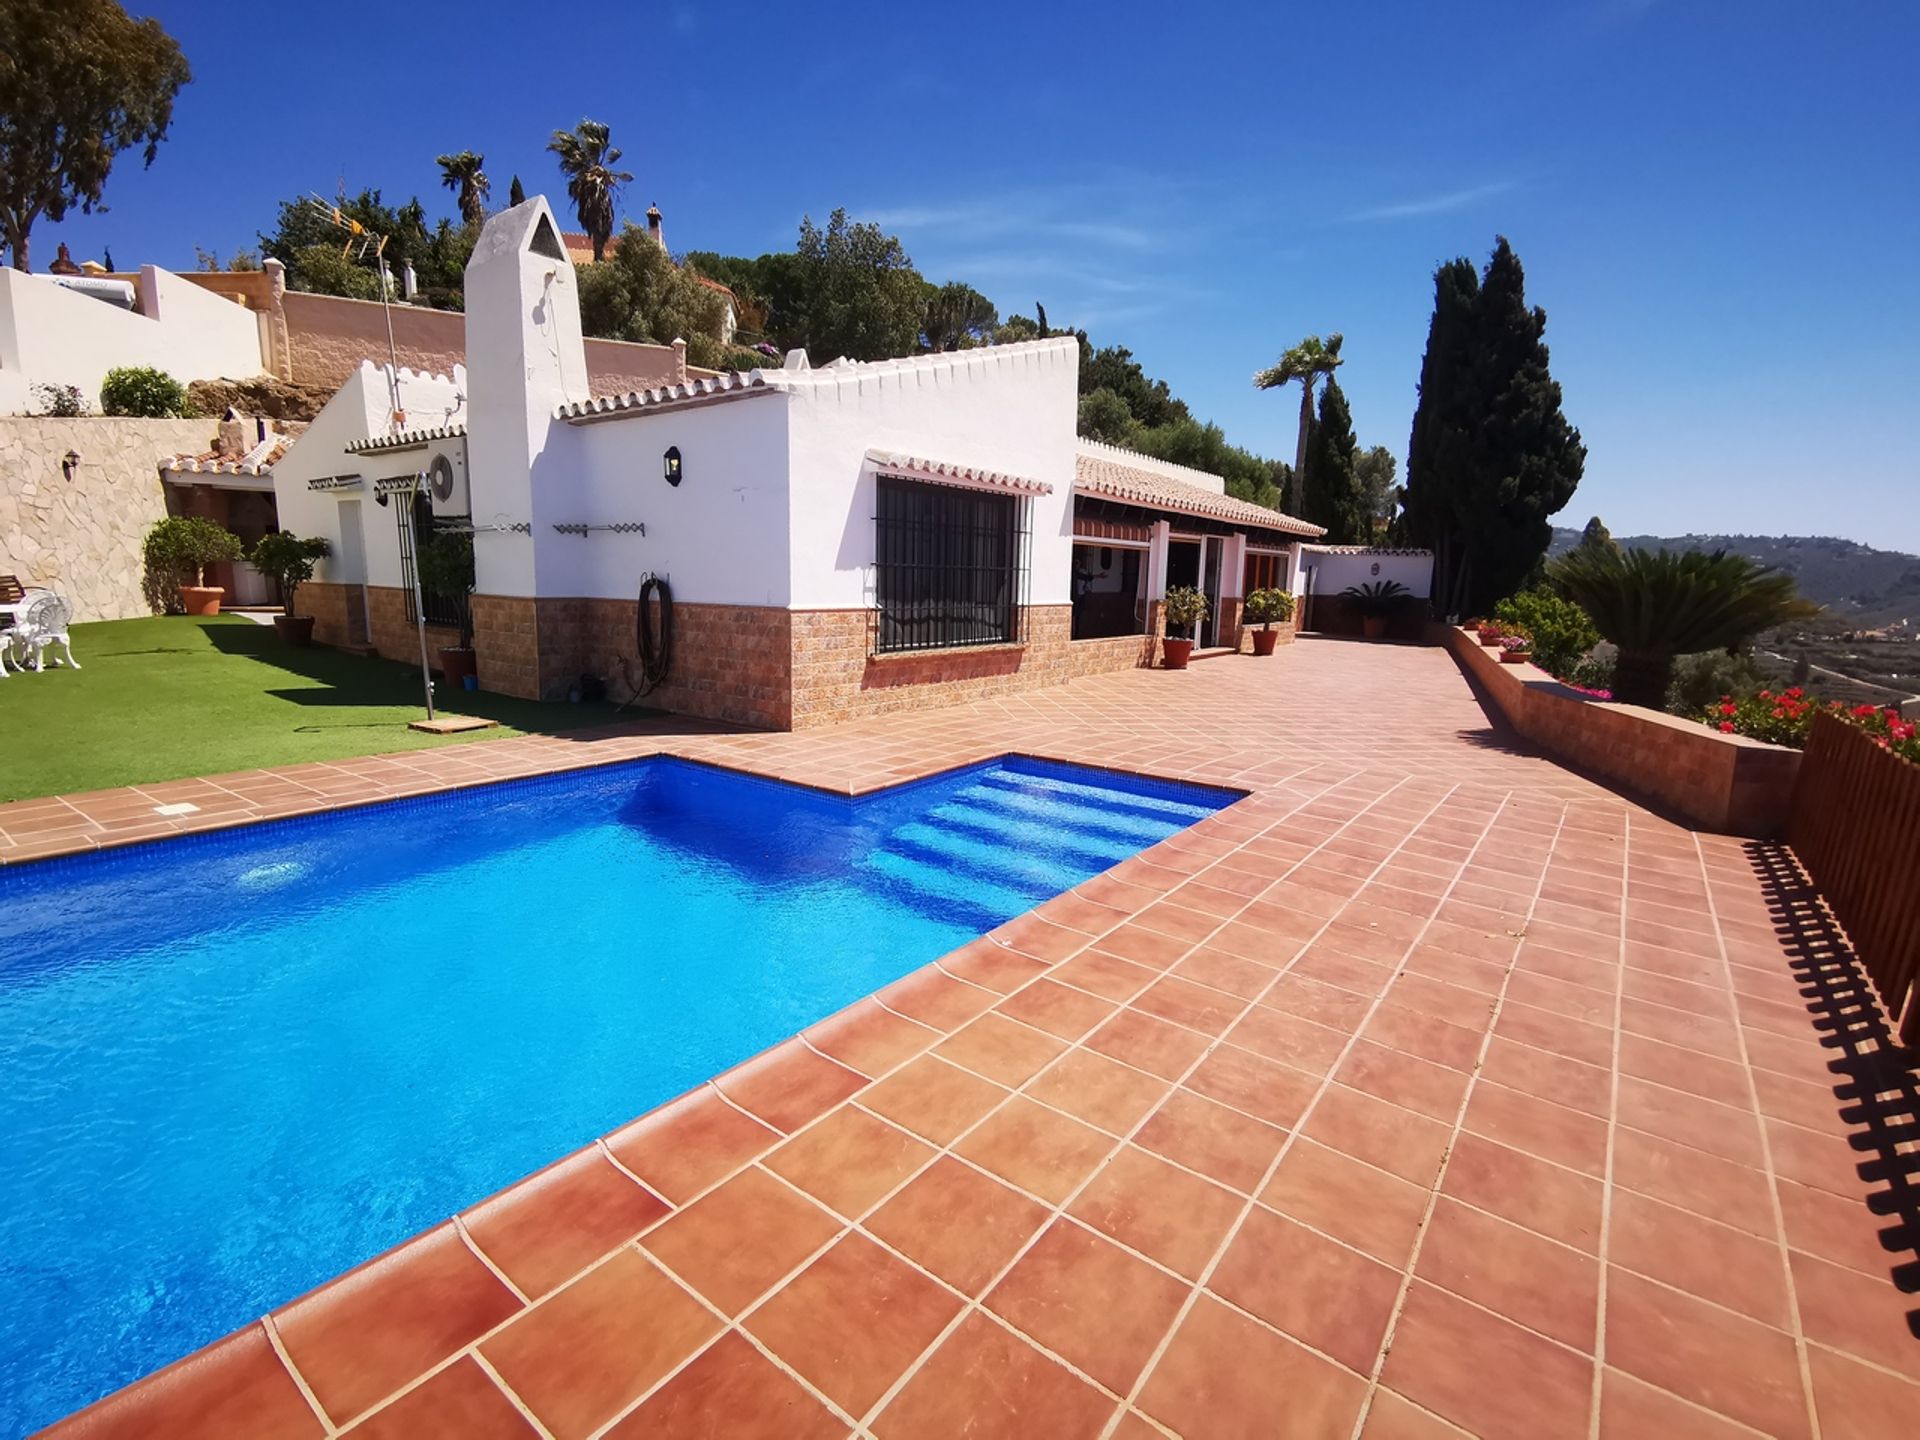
(361, 241)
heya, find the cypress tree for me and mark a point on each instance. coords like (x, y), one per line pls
(1596, 536)
(1331, 492)
(516, 192)
(1437, 451)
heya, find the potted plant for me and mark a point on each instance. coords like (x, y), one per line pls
(1185, 608)
(1516, 650)
(288, 561)
(1264, 607)
(446, 568)
(178, 550)
(1377, 601)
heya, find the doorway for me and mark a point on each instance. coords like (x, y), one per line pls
(1196, 562)
(350, 570)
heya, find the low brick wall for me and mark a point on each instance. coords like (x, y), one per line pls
(1285, 629)
(1720, 782)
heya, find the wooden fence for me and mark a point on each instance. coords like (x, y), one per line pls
(1855, 825)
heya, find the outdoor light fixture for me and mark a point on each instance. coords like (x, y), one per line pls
(70, 462)
(672, 459)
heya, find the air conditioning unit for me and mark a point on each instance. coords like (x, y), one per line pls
(446, 483)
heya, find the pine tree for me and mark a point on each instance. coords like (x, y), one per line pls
(1332, 494)
(1596, 536)
(1491, 456)
(516, 192)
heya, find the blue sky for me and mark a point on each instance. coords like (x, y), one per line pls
(1716, 204)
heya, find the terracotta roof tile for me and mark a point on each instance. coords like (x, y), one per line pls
(1105, 475)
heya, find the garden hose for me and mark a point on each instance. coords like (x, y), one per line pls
(652, 644)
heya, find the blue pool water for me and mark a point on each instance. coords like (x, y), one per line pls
(234, 1065)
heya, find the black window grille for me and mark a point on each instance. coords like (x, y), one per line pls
(447, 610)
(950, 567)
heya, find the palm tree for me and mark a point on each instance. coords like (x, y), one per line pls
(1305, 362)
(1655, 605)
(587, 160)
(462, 172)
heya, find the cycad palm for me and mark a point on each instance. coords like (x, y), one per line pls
(462, 172)
(1655, 605)
(587, 160)
(1305, 362)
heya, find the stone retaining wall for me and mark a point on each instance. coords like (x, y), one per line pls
(1720, 782)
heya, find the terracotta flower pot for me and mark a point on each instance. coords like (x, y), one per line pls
(1174, 654)
(1373, 626)
(201, 599)
(294, 629)
(1264, 641)
(1515, 657)
(456, 664)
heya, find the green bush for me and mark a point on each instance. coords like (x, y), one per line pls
(446, 568)
(60, 400)
(288, 561)
(1561, 632)
(1700, 680)
(145, 393)
(179, 548)
(1186, 607)
(1264, 607)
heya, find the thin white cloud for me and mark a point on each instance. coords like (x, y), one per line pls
(1433, 204)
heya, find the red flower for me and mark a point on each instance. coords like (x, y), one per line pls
(1727, 707)
(1795, 693)
(1863, 712)
(1726, 727)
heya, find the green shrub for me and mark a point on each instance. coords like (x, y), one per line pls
(144, 392)
(1700, 680)
(1186, 607)
(60, 400)
(288, 561)
(1560, 630)
(179, 548)
(446, 568)
(1264, 607)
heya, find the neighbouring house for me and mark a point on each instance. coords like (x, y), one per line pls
(1323, 573)
(837, 540)
(231, 483)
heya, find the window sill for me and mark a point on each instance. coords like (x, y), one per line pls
(943, 651)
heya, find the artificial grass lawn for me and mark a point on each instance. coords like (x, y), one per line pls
(173, 696)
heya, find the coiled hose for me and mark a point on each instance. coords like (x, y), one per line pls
(652, 644)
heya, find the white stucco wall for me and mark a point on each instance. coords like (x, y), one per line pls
(1009, 408)
(1334, 571)
(54, 335)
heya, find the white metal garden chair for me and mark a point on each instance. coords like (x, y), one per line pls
(42, 621)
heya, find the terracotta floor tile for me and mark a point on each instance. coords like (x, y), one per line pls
(1515, 1272)
(1857, 1402)
(1289, 1039)
(1863, 1315)
(1337, 1195)
(1403, 1079)
(849, 1160)
(1100, 1091)
(235, 1389)
(1544, 1030)
(691, 1143)
(1431, 1037)
(1180, 921)
(985, 1383)
(1553, 1132)
(1730, 1132)
(1224, 1144)
(1547, 1076)
(1561, 1204)
(1393, 1417)
(1693, 1180)
(1197, 1007)
(1089, 1302)
(936, 999)
(1317, 1001)
(1444, 1351)
(1057, 1009)
(853, 1321)
(1385, 1136)
(789, 1085)
(933, 1099)
(1701, 1256)
(1321, 1293)
(1723, 1361)
(1840, 1230)
(584, 1353)
(733, 1243)
(1223, 971)
(1002, 1050)
(1147, 1043)
(1265, 1088)
(958, 1223)
(1226, 1378)
(1823, 1160)
(459, 1403)
(1160, 1211)
(1630, 1409)
(730, 1392)
(554, 1224)
(1105, 975)
(870, 1039)
(360, 1338)
(1151, 948)
(1037, 1150)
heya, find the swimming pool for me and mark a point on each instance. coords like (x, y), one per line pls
(234, 1065)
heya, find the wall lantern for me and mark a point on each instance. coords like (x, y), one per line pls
(69, 463)
(1376, 567)
(672, 460)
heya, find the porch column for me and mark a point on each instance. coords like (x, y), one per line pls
(1233, 567)
(1157, 561)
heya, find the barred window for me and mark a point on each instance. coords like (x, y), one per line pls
(950, 566)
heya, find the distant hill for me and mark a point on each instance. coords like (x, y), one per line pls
(1862, 587)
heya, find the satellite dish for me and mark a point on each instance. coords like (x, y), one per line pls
(440, 478)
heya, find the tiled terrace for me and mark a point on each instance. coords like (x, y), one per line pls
(1429, 1089)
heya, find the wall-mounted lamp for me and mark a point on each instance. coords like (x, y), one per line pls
(672, 463)
(69, 463)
